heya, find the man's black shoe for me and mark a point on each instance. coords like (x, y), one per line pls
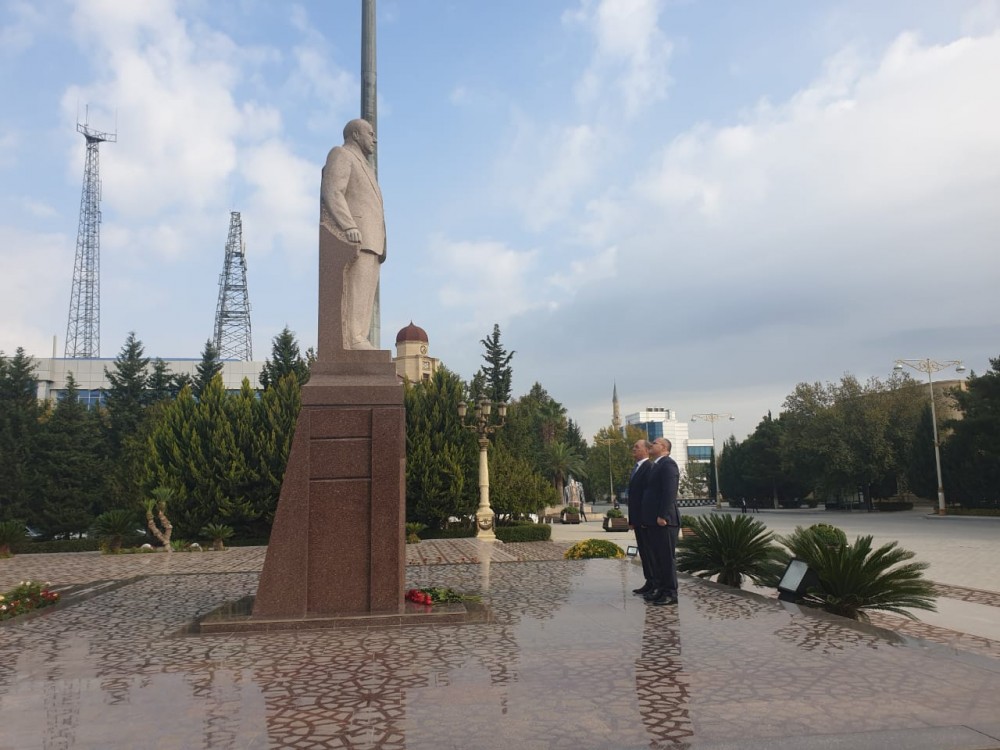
(644, 589)
(663, 600)
(653, 594)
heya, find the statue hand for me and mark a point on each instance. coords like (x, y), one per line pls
(353, 235)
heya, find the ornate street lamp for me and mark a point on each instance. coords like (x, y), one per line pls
(931, 366)
(484, 425)
(713, 418)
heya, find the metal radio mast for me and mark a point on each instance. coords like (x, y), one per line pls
(232, 315)
(83, 331)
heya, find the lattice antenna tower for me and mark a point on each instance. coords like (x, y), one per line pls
(83, 331)
(232, 314)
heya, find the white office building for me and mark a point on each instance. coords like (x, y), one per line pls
(658, 421)
(91, 381)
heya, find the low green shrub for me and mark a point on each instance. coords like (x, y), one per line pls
(973, 512)
(889, 506)
(535, 532)
(614, 513)
(58, 545)
(250, 541)
(413, 529)
(828, 534)
(593, 548)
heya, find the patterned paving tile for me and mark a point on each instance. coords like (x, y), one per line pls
(572, 660)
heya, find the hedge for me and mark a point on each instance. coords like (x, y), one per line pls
(535, 532)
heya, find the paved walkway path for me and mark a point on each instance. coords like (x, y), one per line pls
(571, 660)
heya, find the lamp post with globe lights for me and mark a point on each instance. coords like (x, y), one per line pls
(713, 418)
(931, 366)
(484, 425)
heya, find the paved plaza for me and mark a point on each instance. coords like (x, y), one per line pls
(570, 659)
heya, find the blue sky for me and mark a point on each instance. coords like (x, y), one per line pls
(705, 202)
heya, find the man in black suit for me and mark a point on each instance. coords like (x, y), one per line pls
(636, 489)
(661, 521)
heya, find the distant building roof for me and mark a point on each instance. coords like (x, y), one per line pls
(411, 333)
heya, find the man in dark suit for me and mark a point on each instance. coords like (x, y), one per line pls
(661, 521)
(636, 489)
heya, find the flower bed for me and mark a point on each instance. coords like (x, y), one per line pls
(26, 597)
(431, 596)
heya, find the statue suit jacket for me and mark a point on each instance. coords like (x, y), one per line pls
(350, 199)
(660, 497)
(636, 488)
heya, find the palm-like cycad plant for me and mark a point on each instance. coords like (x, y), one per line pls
(855, 579)
(114, 526)
(11, 532)
(732, 548)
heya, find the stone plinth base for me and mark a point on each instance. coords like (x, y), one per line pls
(337, 545)
(236, 618)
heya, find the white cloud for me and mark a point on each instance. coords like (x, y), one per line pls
(629, 66)
(284, 205)
(29, 304)
(602, 265)
(8, 148)
(487, 279)
(23, 22)
(848, 224)
(332, 90)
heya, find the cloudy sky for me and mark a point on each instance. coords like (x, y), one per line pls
(703, 202)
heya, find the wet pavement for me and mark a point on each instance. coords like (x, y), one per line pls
(570, 660)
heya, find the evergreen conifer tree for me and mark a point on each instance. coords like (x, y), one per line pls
(208, 368)
(70, 467)
(19, 413)
(441, 456)
(127, 396)
(497, 370)
(285, 359)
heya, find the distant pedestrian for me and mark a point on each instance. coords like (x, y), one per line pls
(743, 504)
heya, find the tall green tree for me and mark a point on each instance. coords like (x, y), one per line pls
(160, 386)
(921, 472)
(70, 467)
(209, 366)
(19, 427)
(516, 489)
(561, 463)
(278, 412)
(128, 395)
(285, 360)
(534, 421)
(195, 452)
(611, 445)
(497, 370)
(971, 454)
(441, 455)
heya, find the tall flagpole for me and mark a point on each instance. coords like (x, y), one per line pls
(369, 111)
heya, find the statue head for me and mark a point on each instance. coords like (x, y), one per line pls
(361, 133)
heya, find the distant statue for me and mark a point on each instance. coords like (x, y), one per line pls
(351, 210)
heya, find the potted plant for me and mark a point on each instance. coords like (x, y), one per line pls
(614, 520)
(569, 514)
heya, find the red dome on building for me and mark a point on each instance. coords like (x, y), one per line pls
(411, 333)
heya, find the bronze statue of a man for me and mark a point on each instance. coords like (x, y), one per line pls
(351, 210)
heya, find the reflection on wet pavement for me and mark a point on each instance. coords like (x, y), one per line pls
(573, 660)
